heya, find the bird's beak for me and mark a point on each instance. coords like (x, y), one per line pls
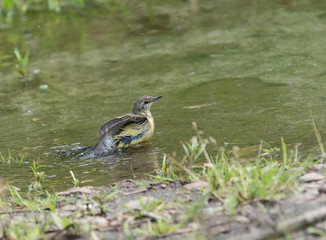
(156, 98)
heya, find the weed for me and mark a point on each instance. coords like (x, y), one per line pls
(316, 232)
(264, 179)
(318, 137)
(32, 228)
(61, 222)
(37, 201)
(69, 224)
(2, 204)
(21, 65)
(15, 196)
(148, 208)
(75, 180)
(267, 178)
(102, 200)
(9, 159)
(161, 226)
(165, 173)
(193, 150)
(127, 231)
(39, 178)
(194, 211)
(271, 153)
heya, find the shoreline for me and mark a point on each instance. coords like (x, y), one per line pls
(176, 210)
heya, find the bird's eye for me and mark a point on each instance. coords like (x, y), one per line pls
(146, 102)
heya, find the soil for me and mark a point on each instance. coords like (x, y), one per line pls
(301, 216)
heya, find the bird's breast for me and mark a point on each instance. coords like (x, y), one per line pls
(133, 134)
(149, 129)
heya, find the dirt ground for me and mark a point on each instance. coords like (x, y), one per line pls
(189, 214)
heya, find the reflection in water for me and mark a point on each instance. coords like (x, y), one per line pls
(132, 163)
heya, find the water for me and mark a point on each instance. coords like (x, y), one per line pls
(245, 71)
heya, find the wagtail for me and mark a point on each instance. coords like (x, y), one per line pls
(127, 130)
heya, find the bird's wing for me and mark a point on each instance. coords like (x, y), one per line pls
(114, 126)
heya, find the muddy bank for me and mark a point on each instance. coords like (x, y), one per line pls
(178, 210)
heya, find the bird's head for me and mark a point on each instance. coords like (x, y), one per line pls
(143, 104)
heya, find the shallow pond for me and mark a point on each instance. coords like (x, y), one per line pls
(245, 71)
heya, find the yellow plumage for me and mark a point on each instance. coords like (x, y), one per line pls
(130, 129)
(136, 133)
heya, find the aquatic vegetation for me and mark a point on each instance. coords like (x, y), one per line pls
(39, 177)
(21, 65)
(75, 180)
(165, 173)
(9, 159)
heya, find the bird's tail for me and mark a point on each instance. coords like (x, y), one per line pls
(87, 149)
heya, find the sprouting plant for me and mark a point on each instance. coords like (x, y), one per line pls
(127, 231)
(34, 203)
(194, 210)
(271, 153)
(161, 226)
(102, 200)
(39, 178)
(2, 204)
(165, 173)
(232, 183)
(61, 222)
(318, 137)
(7, 159)
(10, 159)
(70, 224)
(192, 150)
(148, 207)
(15, 196)
(21, 65)
(32, 228)
(75, 180)
(264, 179)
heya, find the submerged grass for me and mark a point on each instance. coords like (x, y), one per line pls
(10, 159)
(21, 65)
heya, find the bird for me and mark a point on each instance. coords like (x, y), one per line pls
(127, 130)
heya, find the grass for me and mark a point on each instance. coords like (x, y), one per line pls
(9, 159)
(268, 178)
(75, 180)
(165, 173)
(21, 65)
(103, 199)
(161, 226)
(35, 202)
(271, 176)
(32, 230)
(147, 208)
